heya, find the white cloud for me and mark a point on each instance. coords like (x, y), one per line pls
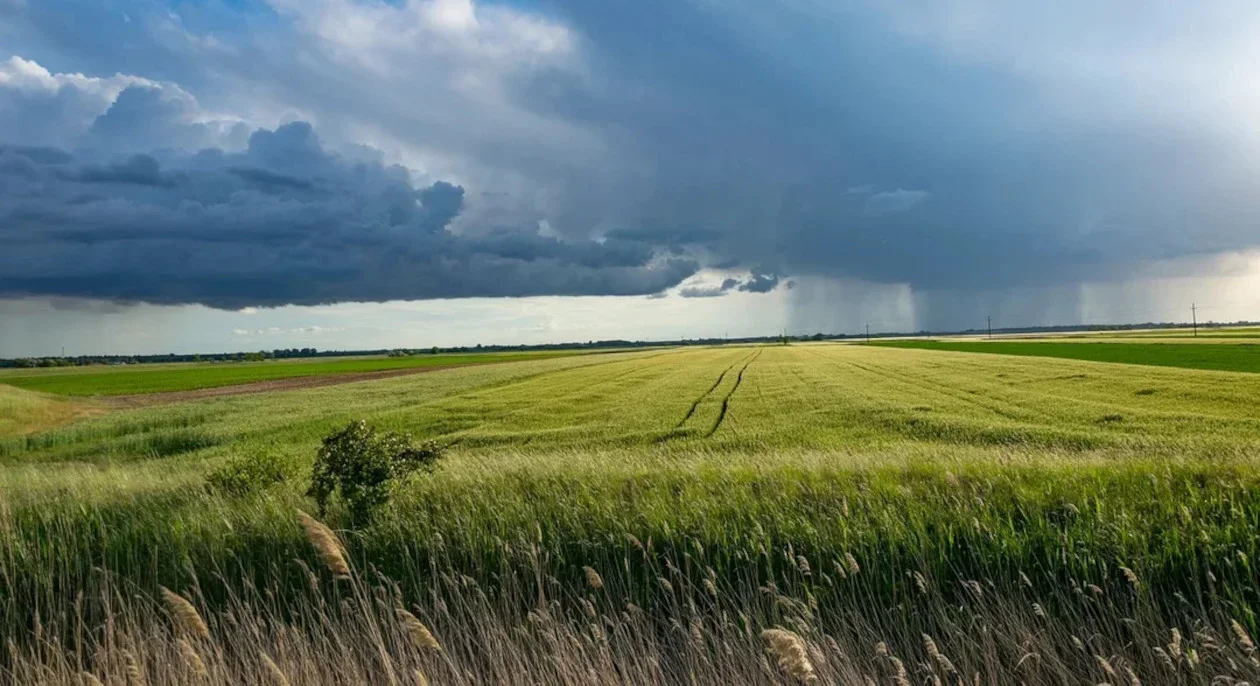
(23, 74)
(891, 202)
(71, 110)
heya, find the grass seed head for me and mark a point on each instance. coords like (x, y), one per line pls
(593, 579)
(419, 634)
(326, 545)
(191, 658)
(272, 671)
(135, 675)
(790, 651)
(1130, 576)
(1244, 639)
(184, 614)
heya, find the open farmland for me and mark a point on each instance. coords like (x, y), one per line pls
(1230, 357)
(166, 378)
(643, 517)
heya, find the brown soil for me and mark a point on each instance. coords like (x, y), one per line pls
(292, 384)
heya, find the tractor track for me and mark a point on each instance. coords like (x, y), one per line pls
(696, 403)
(726, 402)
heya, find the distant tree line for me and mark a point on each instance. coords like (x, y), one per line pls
(291, 353)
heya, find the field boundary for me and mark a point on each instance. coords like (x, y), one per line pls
(295, 383)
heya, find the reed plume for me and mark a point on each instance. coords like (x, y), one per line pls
(192, 658)
(592, 578)
(790, 651)
(417, 631)
(184, 614)
(272, 671)
(326, 545)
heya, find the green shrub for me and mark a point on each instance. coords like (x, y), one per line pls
(362, 467)
(245, 475)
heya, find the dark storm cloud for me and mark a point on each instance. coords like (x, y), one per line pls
(756, 283)
(760, 283)
(953, 147)
(282, 222)
(857, 141)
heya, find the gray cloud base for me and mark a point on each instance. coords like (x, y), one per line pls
(283, 222)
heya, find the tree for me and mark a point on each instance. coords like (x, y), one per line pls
(363, 468)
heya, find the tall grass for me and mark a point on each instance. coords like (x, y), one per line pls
(537, 624)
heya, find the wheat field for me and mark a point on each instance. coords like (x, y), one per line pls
(817, 513)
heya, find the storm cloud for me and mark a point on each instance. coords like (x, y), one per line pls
(282, 222)
(617, 148)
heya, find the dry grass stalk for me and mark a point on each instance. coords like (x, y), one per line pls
(417, 631)
(790, 651)
(184, 614)
(418, 678)
(88, 679)
(326, 545)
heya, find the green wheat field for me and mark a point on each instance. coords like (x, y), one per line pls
(913, 513)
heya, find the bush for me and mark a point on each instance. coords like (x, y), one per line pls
(362, 467)
(247, 475)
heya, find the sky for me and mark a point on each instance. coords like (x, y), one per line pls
(220, 175)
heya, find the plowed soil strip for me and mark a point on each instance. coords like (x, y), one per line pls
(290, 384)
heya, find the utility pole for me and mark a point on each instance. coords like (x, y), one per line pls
(868, 333)
(990, 323)
(1194, 319)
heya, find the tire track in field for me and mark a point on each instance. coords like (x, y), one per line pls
(696, 403)
(726, 402)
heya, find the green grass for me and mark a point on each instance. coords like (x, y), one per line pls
(1223, 357)
(743, 460)
(186, 377)
(23, 412)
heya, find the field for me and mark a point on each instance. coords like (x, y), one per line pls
(1230, 357)
(162, 378)
(767, 514)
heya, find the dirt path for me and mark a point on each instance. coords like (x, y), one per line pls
(291, 384)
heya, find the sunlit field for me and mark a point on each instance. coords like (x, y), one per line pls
(829, 513)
